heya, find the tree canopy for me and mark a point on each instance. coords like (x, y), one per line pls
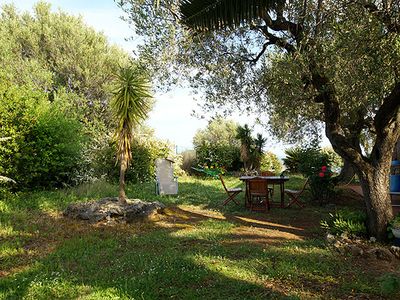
(54, 52)
(300, 62)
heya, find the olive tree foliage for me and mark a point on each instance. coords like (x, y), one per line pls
(301, 62)
(53, 52)
(218, 132)
(174, 55)
(217, 146)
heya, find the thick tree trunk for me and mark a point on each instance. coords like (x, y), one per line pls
(374, 170)
(375, 183)
(122, 171)
(346, 173)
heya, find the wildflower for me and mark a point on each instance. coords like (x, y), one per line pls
(321, 174)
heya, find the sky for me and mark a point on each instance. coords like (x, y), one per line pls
(171, 117)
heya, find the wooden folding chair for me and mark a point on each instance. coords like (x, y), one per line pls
(258, 194)
(232, 193)
(270, 189)
(294, 195)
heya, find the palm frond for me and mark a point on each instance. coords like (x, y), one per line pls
(207, 15)
(131, 104)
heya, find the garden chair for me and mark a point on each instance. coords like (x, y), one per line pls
(258, 195)
(232, 193)
(270, 189)
(294, 195)
(166, 182)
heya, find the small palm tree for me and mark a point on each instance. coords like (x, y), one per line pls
(246, 141)
(259, 144)
(130, 105)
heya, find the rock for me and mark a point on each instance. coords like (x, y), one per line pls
(396, 251)
(339, 247)
(111, 210)
(330, 238)
(355, 250)
(381, 253)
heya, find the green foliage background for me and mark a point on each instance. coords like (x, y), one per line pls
(56, 74)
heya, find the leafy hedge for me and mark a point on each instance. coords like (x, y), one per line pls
(225, 156)
(45, 145)
(100, 158)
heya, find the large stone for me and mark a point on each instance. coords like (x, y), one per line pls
(395, 250)
(355, 250)
(381, 253)
(110, 209)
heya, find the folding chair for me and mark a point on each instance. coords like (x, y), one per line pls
(232, 193)
(294, 195)
(258, 194)
(270, 189)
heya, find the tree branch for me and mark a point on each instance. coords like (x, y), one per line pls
(387, 124)
(264, 48)
(392, 25)
(274, 40)
(327, 96)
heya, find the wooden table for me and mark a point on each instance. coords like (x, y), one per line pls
(268, 180)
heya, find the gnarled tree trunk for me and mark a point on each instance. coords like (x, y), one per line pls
(346, 173)
(375, 183)
(374, 170)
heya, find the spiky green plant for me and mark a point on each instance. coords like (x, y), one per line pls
(246, 141)
(208, 15)
(130, 105)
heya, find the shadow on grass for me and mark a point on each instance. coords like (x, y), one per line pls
(156, 265)
(213, 259)
(200, 250)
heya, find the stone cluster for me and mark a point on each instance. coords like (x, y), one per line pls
(111, 210)
(357, 247)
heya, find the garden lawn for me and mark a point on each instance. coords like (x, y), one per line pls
(197, 250)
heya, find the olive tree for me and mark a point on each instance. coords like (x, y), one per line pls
(307, 65)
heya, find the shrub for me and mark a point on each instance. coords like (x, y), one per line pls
(271, 162)
(292, 159)
(346, 221)
(45, 145)
(100, 158)
(225, 156)
(308, 160)
(322, 185)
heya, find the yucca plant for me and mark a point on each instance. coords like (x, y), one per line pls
(130, 105)
(246, 141)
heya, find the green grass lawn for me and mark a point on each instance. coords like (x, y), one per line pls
(198, 250)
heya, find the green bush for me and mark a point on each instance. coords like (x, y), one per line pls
(271, 162)
(346, 221)
(316, 164)
(225, 156)
(101, 158)
(309, 160)
(45, 145)
(292, 159)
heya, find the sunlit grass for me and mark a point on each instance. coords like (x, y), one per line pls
(199, 250)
